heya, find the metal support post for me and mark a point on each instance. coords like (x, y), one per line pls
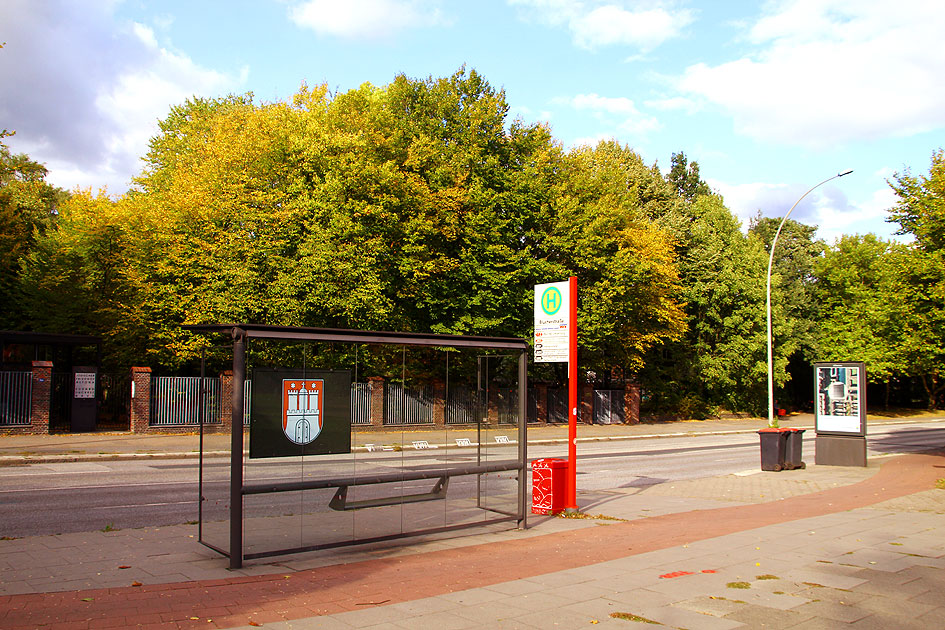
(236, 449)
(522, 437)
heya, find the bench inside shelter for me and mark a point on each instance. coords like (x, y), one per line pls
(340, 502)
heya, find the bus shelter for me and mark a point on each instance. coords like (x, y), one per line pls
(345, 437)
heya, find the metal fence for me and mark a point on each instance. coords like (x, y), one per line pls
(114, 395)
(463, 406)
(407, 406)
(608, 406)
(175, 401)
(60, 401)
(15, 395)
(505, 405)
(557, 405)
(361, 403)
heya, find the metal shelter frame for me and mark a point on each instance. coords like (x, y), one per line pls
(242, 333)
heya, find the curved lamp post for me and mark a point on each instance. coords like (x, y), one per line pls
(771, 420)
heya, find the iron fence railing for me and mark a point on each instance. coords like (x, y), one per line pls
(608, 406)
(15, 394)
(175, 400)
(114, 396)
(463, 406)
(360, 403)
(557, 405)
(407, 406)
(504, 400)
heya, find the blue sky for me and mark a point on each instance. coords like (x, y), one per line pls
(770, 98)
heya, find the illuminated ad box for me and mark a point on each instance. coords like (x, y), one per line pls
(840, 398)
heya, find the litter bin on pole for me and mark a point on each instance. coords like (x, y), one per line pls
(549, 485)
(794, 449)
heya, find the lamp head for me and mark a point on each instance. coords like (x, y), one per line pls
(846, 172)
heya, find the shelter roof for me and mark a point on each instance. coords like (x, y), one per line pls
(301, 333)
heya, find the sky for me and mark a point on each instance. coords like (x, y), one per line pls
(770, 98)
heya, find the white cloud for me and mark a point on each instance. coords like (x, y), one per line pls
(828, 207)
(831, 71)
(868, 217)
(613, 105)
(676, 103)
(621, 112)
(84, 93)
(612, 25)
(598, 24)
(365, 18)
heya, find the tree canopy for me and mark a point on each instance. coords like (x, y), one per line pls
(420, 206)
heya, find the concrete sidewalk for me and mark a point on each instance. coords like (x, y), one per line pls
(825, 547)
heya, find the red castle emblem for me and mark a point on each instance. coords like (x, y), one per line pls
(302, 409)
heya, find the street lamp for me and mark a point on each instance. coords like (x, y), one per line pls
(771, 421)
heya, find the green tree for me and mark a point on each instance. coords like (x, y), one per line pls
(28, 206)
(625, 264)
(80, 277)
(721, 362)
(858, 286)
(796, 315)
(920, 209)
(920, 212)
(685, 179)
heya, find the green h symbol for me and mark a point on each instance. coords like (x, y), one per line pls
(551, 300)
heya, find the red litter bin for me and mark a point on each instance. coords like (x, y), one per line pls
(549, 485)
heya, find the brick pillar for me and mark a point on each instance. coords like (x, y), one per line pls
(140, 399)
(226, 402)
(586, 403)
(376, 387)
(439, 404)
(631, 403)
(492, 406)
(40, 397)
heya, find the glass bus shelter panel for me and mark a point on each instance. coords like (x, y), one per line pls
(378, 448)
(421, 412)
(499, 432)
(214, 482)
(301, 400)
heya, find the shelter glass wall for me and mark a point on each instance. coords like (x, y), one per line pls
(431, 442)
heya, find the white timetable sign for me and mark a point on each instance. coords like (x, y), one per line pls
(552, 322)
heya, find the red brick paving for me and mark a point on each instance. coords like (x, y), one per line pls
(333, 589)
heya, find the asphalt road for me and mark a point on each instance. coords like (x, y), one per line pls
(74, 497)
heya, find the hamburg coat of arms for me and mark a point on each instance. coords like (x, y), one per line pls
(302, 409)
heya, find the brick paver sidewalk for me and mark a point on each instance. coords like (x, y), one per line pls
(254, 600)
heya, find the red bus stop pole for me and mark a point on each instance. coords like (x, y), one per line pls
(571, 504)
